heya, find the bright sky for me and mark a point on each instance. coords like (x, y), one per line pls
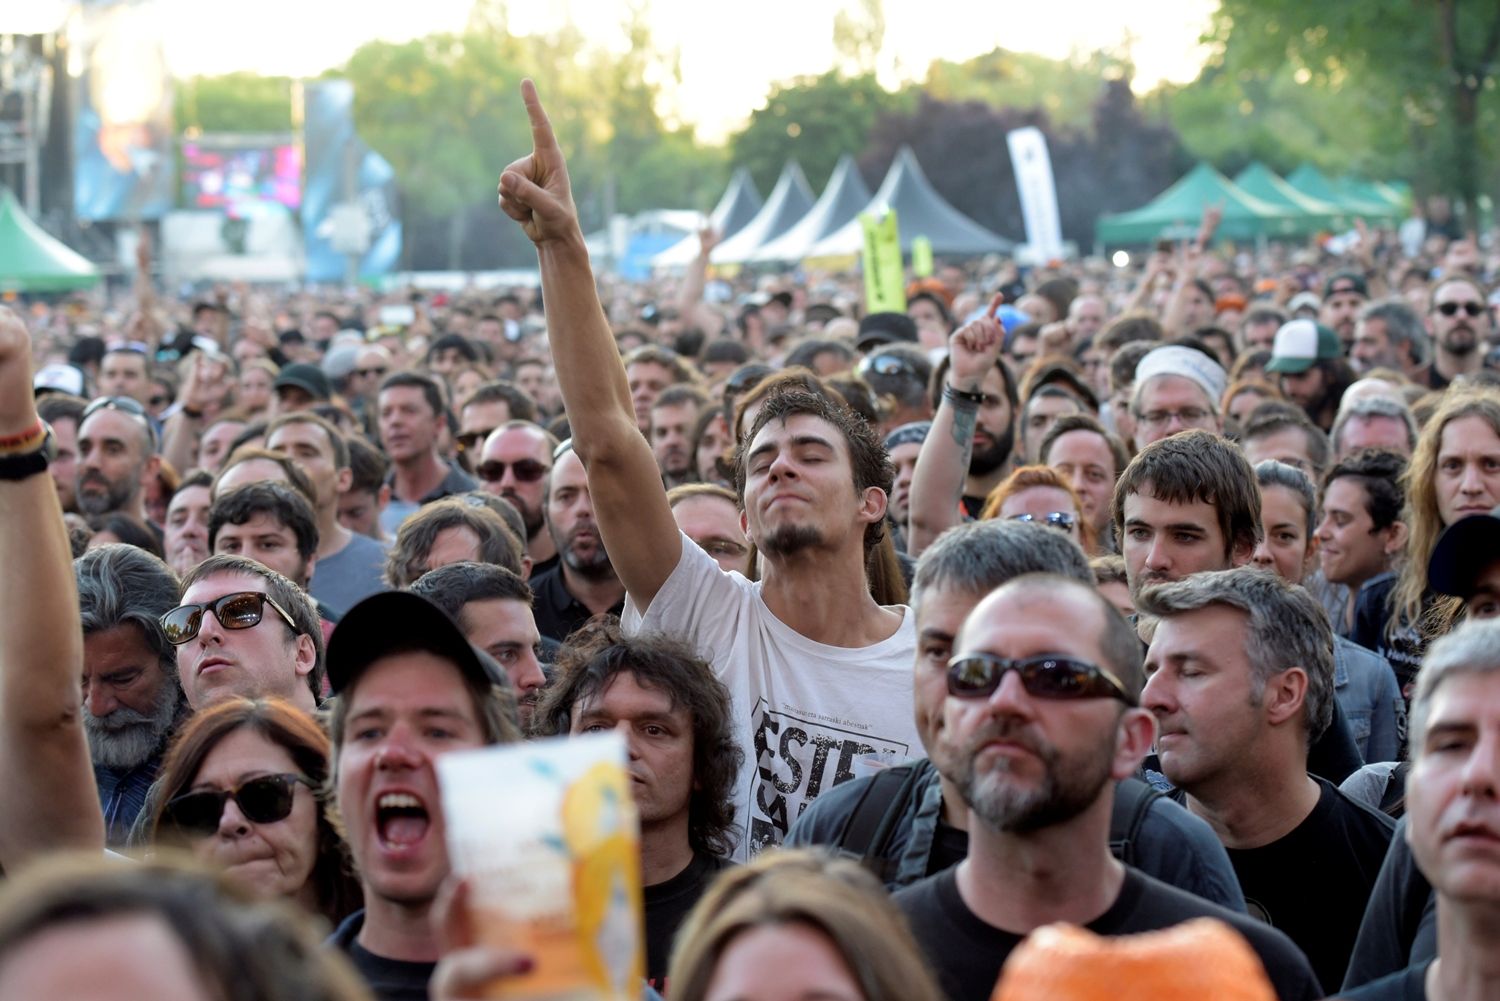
(729, 60)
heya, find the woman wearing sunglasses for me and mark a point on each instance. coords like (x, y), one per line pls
(1041, 494)
(241, 788)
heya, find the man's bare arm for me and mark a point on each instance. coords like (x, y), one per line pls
(634, 519)
(47, 780)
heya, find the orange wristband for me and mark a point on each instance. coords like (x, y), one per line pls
(27, 440)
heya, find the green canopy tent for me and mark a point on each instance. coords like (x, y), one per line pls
(1374, 193)
(1177, 212)
(1313, 214)
(31, 260)
(1311, 181)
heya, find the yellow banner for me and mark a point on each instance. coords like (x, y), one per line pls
(882, 264)
(921, 257)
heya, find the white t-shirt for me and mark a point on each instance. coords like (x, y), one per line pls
(805, 712)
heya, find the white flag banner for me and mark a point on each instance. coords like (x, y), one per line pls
(1033, 170)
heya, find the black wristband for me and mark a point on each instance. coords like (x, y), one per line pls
(962, 399)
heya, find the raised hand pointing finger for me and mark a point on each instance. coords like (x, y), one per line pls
(534, 190)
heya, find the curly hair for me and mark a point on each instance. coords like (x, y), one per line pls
(599, 651)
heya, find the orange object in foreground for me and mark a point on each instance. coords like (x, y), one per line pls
(1195, 960)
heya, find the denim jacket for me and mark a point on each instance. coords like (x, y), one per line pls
(1366, 688)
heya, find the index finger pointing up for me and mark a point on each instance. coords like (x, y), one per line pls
(542, 137)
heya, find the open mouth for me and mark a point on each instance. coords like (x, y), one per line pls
(401, 820)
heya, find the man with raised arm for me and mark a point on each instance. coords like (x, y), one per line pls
(817, 669)
(47, 784)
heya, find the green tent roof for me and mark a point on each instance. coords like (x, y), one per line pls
(1176, 212)
(1310, 181)
(1375, 193)
(31, 260)
(1264, 183)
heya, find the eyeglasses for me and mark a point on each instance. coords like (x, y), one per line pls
(1451, 308)
(1061, 520)
(1161, 418)
(127, 405)
(264, 799)
(526, 470)
(978, 676)
(885, 365)
(470, 440)
(367, 372)
(239, 610)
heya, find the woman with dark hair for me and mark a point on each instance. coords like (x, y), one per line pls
(243, 789)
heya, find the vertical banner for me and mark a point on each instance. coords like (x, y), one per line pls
(1033, 169)
(921, 257)
(882, 263)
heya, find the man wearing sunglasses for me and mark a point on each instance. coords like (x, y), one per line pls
(116, 455)
(243, 629)
(1460, 323)
(1240, 679)
(1042, 719)
(514, 464)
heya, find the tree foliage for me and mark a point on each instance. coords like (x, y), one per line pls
(235, 102)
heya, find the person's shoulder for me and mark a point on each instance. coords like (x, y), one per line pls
(1352, 813)
(361, 545)
(1409, 984)
(1160, 905)
(935, 893)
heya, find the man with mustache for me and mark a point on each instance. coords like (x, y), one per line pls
(514, 463)
(1041, 720)
(116, 455)
(1459, 318)
(1240, 679)
(583, 583)
(131, 699)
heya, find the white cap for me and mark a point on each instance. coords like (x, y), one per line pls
(1189, 363)
(59, 379)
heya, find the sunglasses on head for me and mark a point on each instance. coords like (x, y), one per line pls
(239, 610)
(1451, 308)
(127, 405)
(264, 799)
(526, 470)
(978, 676)
(884, 365)
(1063, 520)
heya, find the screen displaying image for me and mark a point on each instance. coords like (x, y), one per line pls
(218, 177)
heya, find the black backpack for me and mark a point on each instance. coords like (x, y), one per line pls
(887, 798)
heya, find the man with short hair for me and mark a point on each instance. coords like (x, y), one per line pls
(1258, 328)
(1043, 409)
(927, 830)
(1086, 316)
(1276, 431)
(1177, 389)
(269, 522)
(649, 370)
(684, 761)
(1092, 459)
(215, 444)
(492, 405)
(1459, 318)
(1373, 422)
(185, 535)
(492, 605)
(903, 444)
(1240, 679)
(409, 688)
(1344, 295)
(1450, 805)
(131, 700)
(673, 416)
(514, 464)
(349, 565)
(116, 455)
(816, 668)
(125, 372)
(412, 417)
(1362, 531)
(584, 581)
(63, 413)
(1390, 335)
(360, 506)
(244, 629)
(1042, 718)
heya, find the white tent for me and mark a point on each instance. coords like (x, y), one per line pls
(789, 202)
(920, 211)
(841, 201)
(737, 206)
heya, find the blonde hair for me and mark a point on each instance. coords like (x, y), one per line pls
(833, 896)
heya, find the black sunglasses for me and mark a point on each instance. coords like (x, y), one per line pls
(1471, 307)
(526, 470)
(264, 799)
(978, 676)
(1061, 520)
(239, 610)
(886, 365)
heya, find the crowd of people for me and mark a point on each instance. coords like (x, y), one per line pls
(1116, 597)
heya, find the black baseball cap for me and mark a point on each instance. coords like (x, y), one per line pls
(308, 378)
(1463, 552)
(1346, 281)
(401, 622)
(885, 328)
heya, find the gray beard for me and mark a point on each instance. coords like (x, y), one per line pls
(1068, 789)
(125, 738)
(596, 568)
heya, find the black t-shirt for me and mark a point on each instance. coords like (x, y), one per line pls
(388, 979)
(667, 905)
(1400, 924)
(1313, 883)
(1409, 984)
(967, 954)
(950, 846)
(556, 611)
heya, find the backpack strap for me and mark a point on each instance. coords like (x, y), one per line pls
(1133, 799)
(875, 816)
